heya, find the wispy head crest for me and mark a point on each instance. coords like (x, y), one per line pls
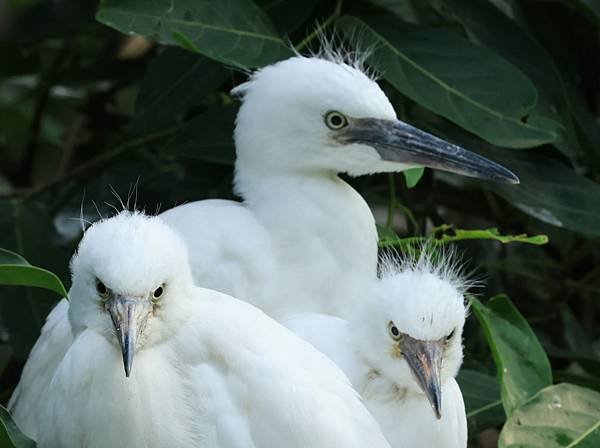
(130, 202)
(349, 49)
(445, 262)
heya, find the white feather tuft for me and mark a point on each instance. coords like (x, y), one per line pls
(445, 262)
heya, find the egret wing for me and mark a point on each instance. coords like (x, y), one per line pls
(46, 355)
(263, 386)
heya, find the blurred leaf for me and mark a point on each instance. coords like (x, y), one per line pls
(456, 79)
(405, 9)
(176, 81)
(26, 228)
(549, 190)
(16, 271)
(558, 416)
(481, 393)
(462, 235)
(486, 24)
(207, 137)
(589, 7)
(574, 333)
(523, 367)
(589, 360)
(10, 257)
(413, 176)
(17, 60)
(288, 15)
(234, 32)
(10, 435)
(591, 382)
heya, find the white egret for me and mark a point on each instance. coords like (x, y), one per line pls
(303, 121)
(402, 349)
(210, 370)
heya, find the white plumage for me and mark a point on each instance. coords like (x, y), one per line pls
(396, 374)
(303, 121)
(209, 370)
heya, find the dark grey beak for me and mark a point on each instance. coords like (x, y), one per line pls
(425, 360)
(129, 316)
(399, 142)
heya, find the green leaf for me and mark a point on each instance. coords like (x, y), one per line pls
(549, 190)
(10, 435)
(487, 25)
(564, 415)
(574, 334)
(234, 32)
(175, 82)
(10, 257)
(481, 393)
(16, 271)
(523, 367)
(452, 77)
(589, 7)
(413, 176)
(450, 235)
(288, 15)
(207, 137)
(27, 228)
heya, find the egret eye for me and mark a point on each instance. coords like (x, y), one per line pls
(101, 288)
(394, 332)
(335, 120)
(158, 292)
(450, 336)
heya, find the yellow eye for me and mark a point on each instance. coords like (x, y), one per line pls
(335, 120)
(394, 332)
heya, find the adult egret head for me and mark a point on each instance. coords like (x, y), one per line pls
(411, 333)
(317, 115)
(125, 272)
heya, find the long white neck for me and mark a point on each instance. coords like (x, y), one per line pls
(323, 230)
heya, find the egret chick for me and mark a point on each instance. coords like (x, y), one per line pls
(303, 121)
(202, 369)
(401, 350)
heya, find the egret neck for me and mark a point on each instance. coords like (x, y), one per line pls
(324, 229)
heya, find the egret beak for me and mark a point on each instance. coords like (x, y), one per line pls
(396, 141)
(425, 360)
(129, 316)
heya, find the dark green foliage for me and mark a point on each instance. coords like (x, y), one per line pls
(85, 104)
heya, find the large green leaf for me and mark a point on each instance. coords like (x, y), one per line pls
(481, 393)
(523, 367)
(459, 80)
(16, 271)
(234, 32)
(486, 24)
(26, 228)
(10, 435)
(564, 415)
(549, 190)
(175, 82)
